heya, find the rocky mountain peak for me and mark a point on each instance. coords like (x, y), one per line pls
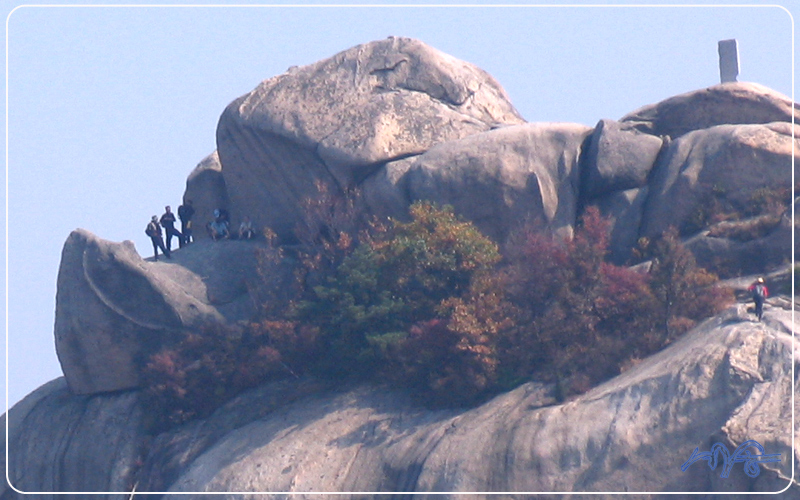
(398, 121)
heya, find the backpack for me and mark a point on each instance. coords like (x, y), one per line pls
(759, 292)
(150, 230)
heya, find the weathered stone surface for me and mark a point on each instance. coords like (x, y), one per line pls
(728, 162)
(172, 452)
(501, 178)
(62, 442)
(222, 273)
(385, 193)
(624, 210)
(207, 190)
(339, 119)
(728, 256)
(618, 157)
(726, 103)
(405, 122)
(112, 306)
(729, 380)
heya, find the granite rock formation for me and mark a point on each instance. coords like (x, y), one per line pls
(497, 179)
(731, 164)
(401, 121)
(731, 103)
(338, 120)
(206, 189)
(113, 307)
(728, 380)
(617, 158)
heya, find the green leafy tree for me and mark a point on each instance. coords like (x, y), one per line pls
(431, 276)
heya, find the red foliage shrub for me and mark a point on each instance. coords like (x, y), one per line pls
(581, 316)
(215, 363)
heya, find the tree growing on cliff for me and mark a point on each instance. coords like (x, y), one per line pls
(685, 291)
(214, 363)
(418, 297)
(429, 305)
(583, 318)
(582, 315)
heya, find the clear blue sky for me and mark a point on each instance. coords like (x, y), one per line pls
(109, 109)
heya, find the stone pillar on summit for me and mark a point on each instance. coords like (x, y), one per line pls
(728, 60)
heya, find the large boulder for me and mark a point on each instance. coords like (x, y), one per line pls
(727, 103)
(113, 307)
(727, 167)
(207, 191)
(501, 178)
(618, 157)
(62, 442)
(338, 120)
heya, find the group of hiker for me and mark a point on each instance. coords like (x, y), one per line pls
(218, 228)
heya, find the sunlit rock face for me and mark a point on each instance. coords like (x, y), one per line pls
(725, 163)
(401, 121)
(733, 103)
(113, 308)
(337, 120)
(727, 381)
(503, 178)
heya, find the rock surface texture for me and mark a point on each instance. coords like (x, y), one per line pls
(617, 158)
(400, 122)
(728, 380)
(62, 442)
(727, 103)
(338, 120)
(501, 178)
(206, 189)
(112, 307)
(731, 164)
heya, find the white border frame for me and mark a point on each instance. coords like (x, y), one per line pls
(399, 6)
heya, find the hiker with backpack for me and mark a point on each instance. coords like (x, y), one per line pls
(153, 230)
(759, 293)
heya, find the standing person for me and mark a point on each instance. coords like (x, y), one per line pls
(760, 293)
(153, 230)
(168, 221)
(185, 214)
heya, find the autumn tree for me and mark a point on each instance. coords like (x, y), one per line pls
(583, 316)
(417, 296)
(685, 291)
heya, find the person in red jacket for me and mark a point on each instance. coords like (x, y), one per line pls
(760, 293)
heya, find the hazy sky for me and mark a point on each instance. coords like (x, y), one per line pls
(109, 109)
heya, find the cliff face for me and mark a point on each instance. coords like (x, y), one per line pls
(401, 121)
(727, 381)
